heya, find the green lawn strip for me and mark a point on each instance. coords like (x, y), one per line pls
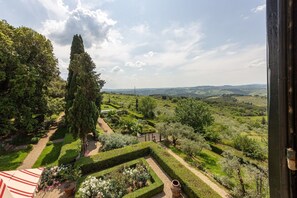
(12, 160)
(154, 188)
(192, 185)
(49, 156)
(70, 149)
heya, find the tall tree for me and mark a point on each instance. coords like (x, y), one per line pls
(83, 114)
(77, 47)
(193, 113)
(27, 65)
(147, 106)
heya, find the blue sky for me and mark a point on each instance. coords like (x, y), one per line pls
(154, 43)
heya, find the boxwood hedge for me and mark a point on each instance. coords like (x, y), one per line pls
(192, 185)
(112, 158)
(146, 192)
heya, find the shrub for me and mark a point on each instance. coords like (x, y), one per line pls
(49, 143)
(115, 140)
(249, 146)
(34, 140)
(191, 147)
(111, 158)
(70, 149)
(145, 192)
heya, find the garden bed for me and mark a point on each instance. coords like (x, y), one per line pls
(192, 185)
(133, 179)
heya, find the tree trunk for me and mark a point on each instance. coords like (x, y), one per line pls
(83, 146)
(241, 182)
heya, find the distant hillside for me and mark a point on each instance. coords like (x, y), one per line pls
(199, 91)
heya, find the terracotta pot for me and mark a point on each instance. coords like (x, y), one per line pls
(69, 188)
(175, 189)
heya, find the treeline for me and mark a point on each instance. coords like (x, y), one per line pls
(29, 79)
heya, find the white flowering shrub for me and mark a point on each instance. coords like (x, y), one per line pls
(115, 184)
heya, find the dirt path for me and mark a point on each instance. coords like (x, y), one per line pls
(93, 146)
(104, 126)
(37, 149)
(204, 178)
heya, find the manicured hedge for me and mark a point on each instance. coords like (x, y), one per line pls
(146, 192)
(112, 158)
(192, 185)
(70, 149)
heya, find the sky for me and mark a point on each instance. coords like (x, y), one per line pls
(154, 43)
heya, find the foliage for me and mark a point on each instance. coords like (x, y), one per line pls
(115, 140)
(27, 67)
(193, 113)
(191, 147)
(249, 146)
(111, 158)
(147, 106)
(53, 176)
(191, 184)
(117, 183)
(232, 167)
(49, 155)
(70, 149)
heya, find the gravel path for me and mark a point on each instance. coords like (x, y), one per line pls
(104, 126)
(163, 176)
(37, 149)
(204, 178)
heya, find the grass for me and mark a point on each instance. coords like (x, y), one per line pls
(59, 134)
(12, 160)
(49, 155)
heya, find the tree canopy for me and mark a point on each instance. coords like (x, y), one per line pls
(147, 106)
(27, 67)
(193, 113)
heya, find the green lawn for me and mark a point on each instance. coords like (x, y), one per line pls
(59, 134)
(12, 160)
(49, 155)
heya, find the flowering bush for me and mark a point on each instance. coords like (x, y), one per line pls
(116, 184)
(53, 176)
(115, 140)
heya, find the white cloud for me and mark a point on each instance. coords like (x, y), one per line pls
(93, 25)
(136, 64)
(141, 29)
(149, 54)
(259, 8)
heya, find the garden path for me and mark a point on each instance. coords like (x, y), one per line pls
(104, 126)
(37, 149)
(204, 178)
(163, 176)
(93, 146)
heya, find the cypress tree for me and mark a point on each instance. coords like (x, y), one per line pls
(77, 47)
(84, 112)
